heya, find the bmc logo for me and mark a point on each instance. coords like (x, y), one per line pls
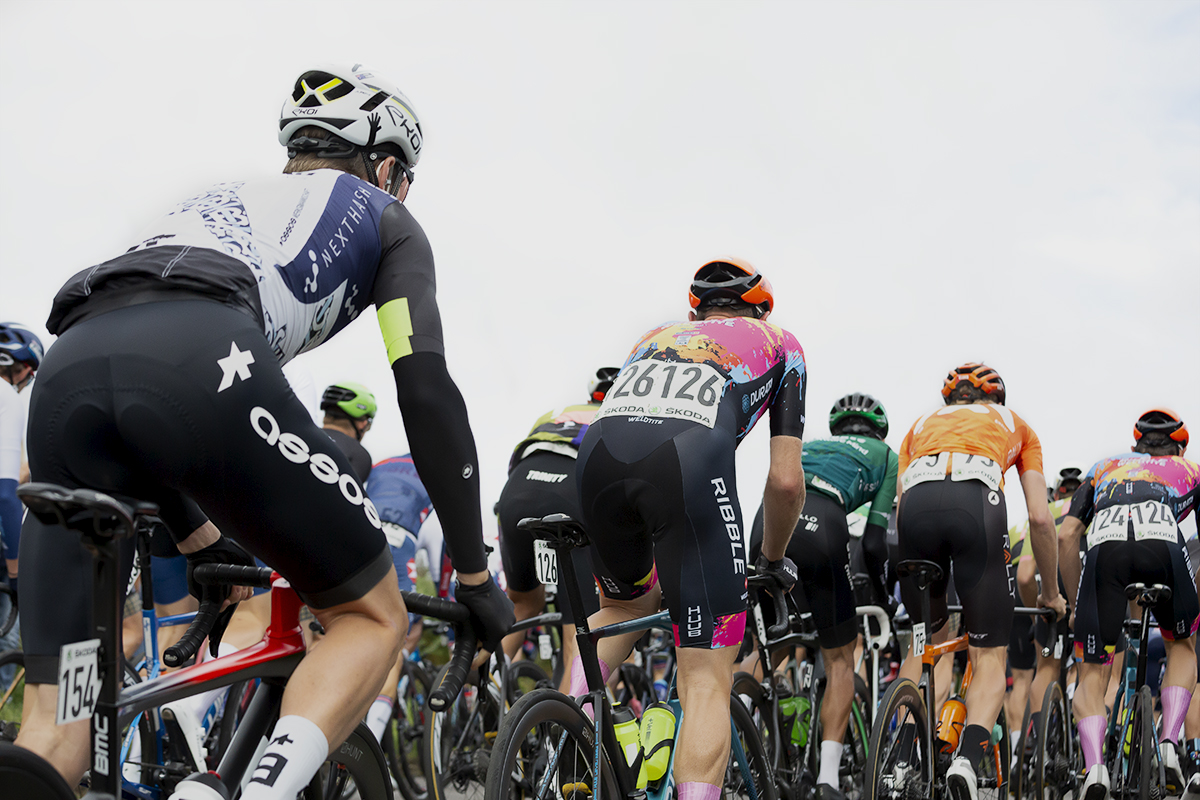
(324, 468)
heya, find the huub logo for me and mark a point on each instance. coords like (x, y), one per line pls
(322, 466)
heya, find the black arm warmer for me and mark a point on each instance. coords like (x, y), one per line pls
(875, 556)
(443, 451)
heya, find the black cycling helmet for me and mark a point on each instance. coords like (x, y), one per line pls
(860, 406)
(599, 385)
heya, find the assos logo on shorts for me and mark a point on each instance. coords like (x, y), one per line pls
(325, 469)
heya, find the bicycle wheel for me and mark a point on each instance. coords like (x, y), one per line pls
(1135, 769)
(1023, 782)
(457, 740)
(544, 750)
(752, 777)
(356, 769)
(899, 766)
(23, 773)
(523, 677)
(783, 755)
(12, 695)
(855, 741)
(1058, 761)
(993, 772)
(404, 737)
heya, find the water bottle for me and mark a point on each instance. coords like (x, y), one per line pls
(950, 723)
(626, 726)
(658, 735)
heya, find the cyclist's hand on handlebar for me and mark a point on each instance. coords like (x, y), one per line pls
(1058, 604)
(491, 611)
(222, 551)
(783, 571)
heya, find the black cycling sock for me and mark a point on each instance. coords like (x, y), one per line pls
(970, 746)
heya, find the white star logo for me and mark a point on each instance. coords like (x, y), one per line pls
(236, 363)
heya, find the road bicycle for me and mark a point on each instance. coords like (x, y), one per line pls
(89, 685)
(910, 752)
(548, 748)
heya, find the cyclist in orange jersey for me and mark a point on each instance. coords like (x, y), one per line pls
(952, 465)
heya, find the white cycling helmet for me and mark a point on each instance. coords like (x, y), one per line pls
(358, 107)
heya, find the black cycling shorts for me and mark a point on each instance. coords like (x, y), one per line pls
(820, 547)
(183, 401)
(540, 484)
(664, 491)
(1102, 607)
(963, 523)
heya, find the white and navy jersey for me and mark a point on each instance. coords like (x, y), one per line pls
(306, 253)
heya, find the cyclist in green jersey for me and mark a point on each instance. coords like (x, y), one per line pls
(851, 469)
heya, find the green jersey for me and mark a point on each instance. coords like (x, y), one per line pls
(853, 470)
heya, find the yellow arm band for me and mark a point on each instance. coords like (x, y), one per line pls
(396, 325)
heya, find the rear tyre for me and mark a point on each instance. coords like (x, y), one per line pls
(900, 768)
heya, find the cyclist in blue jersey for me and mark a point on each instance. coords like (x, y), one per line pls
(165, 384)
(20, 356)
(658, 493)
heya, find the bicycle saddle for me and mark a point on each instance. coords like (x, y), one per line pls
(86, 511)
(1148, 595)
(922, 572)
(560, 529)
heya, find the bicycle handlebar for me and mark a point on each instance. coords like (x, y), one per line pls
(880, 616)
(782, 619)
(210, 608)
(464, 644)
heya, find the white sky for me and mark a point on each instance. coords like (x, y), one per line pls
(923, 183)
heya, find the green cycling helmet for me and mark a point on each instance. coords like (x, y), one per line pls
(352, 399)
(860, 406)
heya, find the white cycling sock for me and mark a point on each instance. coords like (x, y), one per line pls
(296, 751)
(831, 760)
(378, 715)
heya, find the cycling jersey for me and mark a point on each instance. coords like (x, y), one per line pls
(853, 470)
(980, 429)
(1018, 535)
(359, 458)
(656, 474)
(12, 428)
(557, 431)
(396, 489)
(1132, 504)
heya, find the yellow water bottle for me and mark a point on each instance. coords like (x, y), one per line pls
(626, 727)
(658, 734)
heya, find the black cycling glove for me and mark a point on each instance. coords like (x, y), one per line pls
(222, 551)
(783, 571)
(491, 611)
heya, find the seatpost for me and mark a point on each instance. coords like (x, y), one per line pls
(106, 610)
(928, 671)
(149, 632)
(1143, 645)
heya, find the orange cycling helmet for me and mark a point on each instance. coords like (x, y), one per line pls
(728, 280)
(1164, 421)
(981, 376)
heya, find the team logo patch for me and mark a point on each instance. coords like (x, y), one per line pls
(994, 498)
(236, 364)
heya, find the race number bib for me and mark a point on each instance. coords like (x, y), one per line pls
(545, 561)
(1153, 520)
(78, 681)
(964, 467)
(918, 639)
(666, 389)
(1110, 525)
(926, 468)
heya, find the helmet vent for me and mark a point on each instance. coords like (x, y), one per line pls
(374, 100)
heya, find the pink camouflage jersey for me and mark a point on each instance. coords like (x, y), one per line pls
(723, 373)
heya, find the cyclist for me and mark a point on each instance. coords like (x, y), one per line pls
(20, 356)
(851, 469)
(952, 465)
(410, 524)
(541, 481)
(165, 384)
(659, 495)
(1131, 506)
(349, 410)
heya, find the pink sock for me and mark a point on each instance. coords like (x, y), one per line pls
(694, 790)
(579, 685)
(1175, 701)
(1091, 738)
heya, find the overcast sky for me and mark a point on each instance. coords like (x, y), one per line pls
(923, 183)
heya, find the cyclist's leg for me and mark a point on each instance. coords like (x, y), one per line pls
(705, 678)
(1099, 616)
(1177, 619)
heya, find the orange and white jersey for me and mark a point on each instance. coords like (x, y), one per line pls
(989, 430)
